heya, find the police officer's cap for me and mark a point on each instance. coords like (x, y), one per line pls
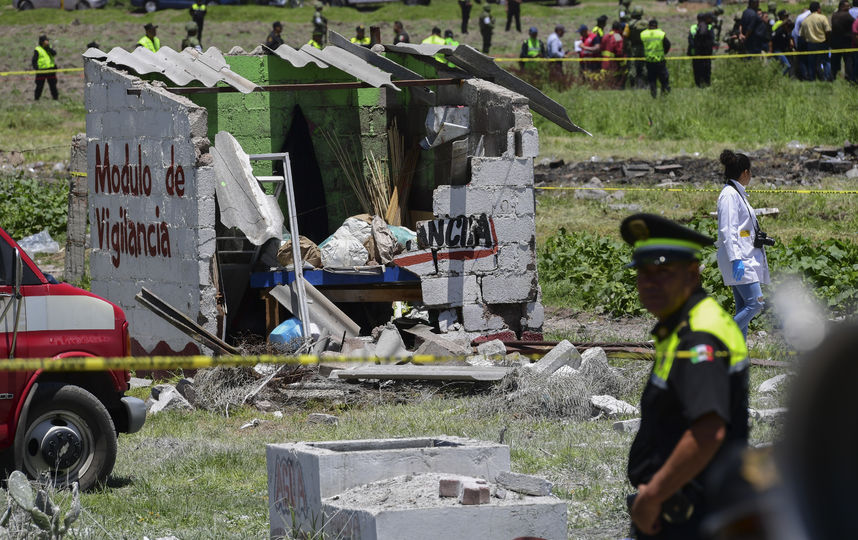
(658, 240)
(637, 11)
(533, 31)
(582, 28)
(448, 34)
(149, 26)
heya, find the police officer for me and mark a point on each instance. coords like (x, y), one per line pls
(43, 58)
(624, 11)
(316, 40)
(274, 39)
(487, 27)
(360, 37)
(198, 15)
(656, 46)
(694, 408)
(320, 23)
(150, 40)
(436, 39)
(632, 39)
(717, 23)
(533, 47)
(465, 7)
(450, 41)
(700, 43)
(191, 37)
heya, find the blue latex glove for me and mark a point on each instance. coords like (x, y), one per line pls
(738, 269)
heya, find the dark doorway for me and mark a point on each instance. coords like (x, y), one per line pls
(307, 178)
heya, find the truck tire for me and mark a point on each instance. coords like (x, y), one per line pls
(68, 432)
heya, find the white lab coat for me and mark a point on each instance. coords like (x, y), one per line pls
(736, 237)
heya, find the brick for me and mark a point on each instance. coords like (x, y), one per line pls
(473, 200)
(515, 229)
(450, 291)
(506, 335)
(473, 493)
(509, 288)
(563, 354)
(530, 335)
(534, 315)
(449, 487)
(478, 318)
(501, 171)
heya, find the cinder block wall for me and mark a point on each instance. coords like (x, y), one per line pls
(491, 286)
(151, 204)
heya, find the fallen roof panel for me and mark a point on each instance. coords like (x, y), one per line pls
(423, 49)
(351, 64)
(297, 58)
(209, 68)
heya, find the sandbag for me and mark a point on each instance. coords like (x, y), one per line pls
(309, 252)
(343, 249)
(386, 246)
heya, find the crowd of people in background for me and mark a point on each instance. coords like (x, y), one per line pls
(628, 53)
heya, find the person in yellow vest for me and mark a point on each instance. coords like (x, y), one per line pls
(436, 39)
(316, 41)
(150, 41)
(450, 41)
(533, 47)
(656, 46)
(198, 15)
(361, 37)
(694, 408)
(43, 58)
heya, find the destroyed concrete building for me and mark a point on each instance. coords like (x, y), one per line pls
(156, 221)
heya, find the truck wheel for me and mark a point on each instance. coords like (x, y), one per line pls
(69, 433)
(150, 6)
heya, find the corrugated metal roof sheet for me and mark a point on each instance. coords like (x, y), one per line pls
(351, 64)
(297, 58)
(422, 49)
(209, 67)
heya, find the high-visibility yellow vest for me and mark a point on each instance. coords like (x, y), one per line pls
(313, 43)
(653, 41)
(776, 25)
(364, 41)
(707, 316)
(452, 43)
(598, 31)
(46, 61)
(152, 44)
(436, 40)
(533, 48)
(198, 7)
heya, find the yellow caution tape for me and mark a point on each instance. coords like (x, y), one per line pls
(643, 59)
(692, 190)
(196, 362)
(40, 71)
(77, 173)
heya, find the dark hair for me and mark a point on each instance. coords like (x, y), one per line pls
(734, 164)
(617, 25)
(814, 6)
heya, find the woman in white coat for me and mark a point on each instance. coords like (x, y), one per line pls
(743, 266)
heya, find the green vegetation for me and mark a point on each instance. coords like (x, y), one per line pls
(29, 205)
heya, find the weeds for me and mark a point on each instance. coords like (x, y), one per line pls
(29, 205)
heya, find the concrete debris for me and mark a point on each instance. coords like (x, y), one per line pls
(278, 414)
(136, 382)
(474, 493)
(594, 356)
(253, 423)
(770, 416)
(852, 173)
(186, 388)
(425, 373)
(490, 348)
(627, 426)
(500, 493)
(593, 192)
(321, 418)
(165, 397)
(563, 354)
(564, 371)
(772, 385)
(264, 405)
(431, 343)
(613, 406)
(448, 321)
(390, 343)
(480, 360)
(264, 370)
(524, 483)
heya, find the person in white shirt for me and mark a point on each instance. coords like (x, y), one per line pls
(743, 265)
(802, 63)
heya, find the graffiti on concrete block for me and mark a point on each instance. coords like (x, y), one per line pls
(456, 232)
(289, 492)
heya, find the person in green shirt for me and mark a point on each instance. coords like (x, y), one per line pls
(191, 37)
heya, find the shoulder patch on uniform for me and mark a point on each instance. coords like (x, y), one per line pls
(702, 353)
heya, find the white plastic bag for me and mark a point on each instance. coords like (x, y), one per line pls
(343, 249)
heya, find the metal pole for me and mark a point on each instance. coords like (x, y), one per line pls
(297, 261)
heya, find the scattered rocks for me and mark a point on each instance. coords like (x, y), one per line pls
(627, 426)
(390, 344)
(852, 173)
(594, 191)
(136, 382)
(321, 418)
(186, 388)
(563, 354)
(264, 405)
(252, 424)
(612, 406)
(493, 347)
(165, 397)
(772, 385)
(524, 483)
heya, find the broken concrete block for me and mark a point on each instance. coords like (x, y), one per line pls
(390, 344)
(563, 354)
(524, 483)
(494, 201)
(627, 426)
(593, 357)
(136, 382)
(480, 360)
(320, 418)
(165, 397)
(492, 347)
(772, 385)
(613, 406)
(564, 371)
(449, 487)
(450, 291)
(501, 171)
(186, 388)
(439, 348)
(534, 315)
(515, 230)
(473, 493)
(448, 320)
(478, 318)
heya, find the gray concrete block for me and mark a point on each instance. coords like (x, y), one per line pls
(563, 354)
(481, 265)
(529, 142)
(515, 229)
(627, 426)
(450, 291)
(533, 316)
(474, 200)
(493, 347)
(501, 171)
(509, 288)
(478, 318)
(612, 406)
(516, 258)
(421, 262)
(524, 483)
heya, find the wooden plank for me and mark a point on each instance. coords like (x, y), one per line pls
(426, 373)
(374, 294)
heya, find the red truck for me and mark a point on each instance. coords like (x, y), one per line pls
(63, 422)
